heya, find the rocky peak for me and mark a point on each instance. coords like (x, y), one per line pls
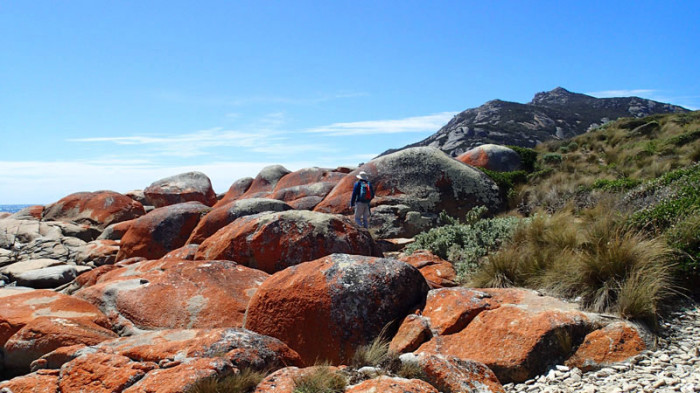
(558, 96)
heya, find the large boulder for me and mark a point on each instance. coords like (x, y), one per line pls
(228, 213)
(161, 230)
(31, 239)
(46, 334)
(97, 209)
(265, 182)
(305, 188)
(493, 157)
(518, 335)
(274, 241)
(167, 361)
(424, 180)
(20, 306)
(185, 187)
(237, 189)
(326, 308)
(174, 294)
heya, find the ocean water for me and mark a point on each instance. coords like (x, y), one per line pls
(12, 208)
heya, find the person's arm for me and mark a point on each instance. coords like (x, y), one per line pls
(355, 192)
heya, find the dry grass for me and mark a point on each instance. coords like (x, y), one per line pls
(592, 256)
(243, 382)
(321, 380)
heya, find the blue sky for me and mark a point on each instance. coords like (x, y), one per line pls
(117, 94)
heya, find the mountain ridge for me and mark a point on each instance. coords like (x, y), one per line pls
(555, 114)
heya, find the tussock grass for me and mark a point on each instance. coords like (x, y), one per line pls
(321, 380)
(594, 257)
(243, 382)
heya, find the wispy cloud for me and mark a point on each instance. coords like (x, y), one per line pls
(622, 93)
(411, 124)
(194, 99)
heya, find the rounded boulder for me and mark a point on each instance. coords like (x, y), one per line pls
(274, 241)
(492, 157)
(423, 178)
(325, 309)
(161, 230)
(98, 209)
(185, 187)
(174, 294)
(228, 213)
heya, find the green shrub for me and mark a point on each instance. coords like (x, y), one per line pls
(683, 199)
(243, 382)
(464, 244)
(506, 180)
(682, 139)
(617, 185)
(552, 158)
(528, 157)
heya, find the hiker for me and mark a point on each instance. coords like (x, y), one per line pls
(362, 194)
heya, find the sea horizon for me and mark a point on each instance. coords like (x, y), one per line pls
(13, 208)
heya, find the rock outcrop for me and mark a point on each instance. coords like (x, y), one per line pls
(420, 183)
(438, 272)
(161, 230)
(517, 335)
(492, 157)
(556, 114)
(96, 209)
(225, 214)
(171, 293)
(326, 308)
(274, 241)
(185, 187)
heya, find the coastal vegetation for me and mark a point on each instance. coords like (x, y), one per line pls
(610, 218)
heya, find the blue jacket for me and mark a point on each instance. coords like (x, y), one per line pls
(356, 191)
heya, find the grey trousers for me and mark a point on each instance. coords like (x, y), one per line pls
(362, 214)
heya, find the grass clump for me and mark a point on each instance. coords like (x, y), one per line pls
(594, 257)
(464, 244)
(243, 382)
(616, 185)
(323, 379)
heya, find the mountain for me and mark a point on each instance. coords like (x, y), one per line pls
(556, 114)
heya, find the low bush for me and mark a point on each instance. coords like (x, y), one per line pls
(465, 244)
(616, 185)
(528, 157)
(552, 158)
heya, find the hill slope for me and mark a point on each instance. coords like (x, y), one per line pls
(557, 114)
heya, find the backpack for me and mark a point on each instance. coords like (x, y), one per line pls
(365, 192)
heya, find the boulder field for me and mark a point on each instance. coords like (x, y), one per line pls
(161, 289)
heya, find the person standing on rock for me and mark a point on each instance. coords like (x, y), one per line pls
(362, 194)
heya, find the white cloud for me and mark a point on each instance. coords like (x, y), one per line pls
(411, 124)
(622, 93)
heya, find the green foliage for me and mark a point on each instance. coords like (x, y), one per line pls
(685, 138)
(506, 180)
(683, 200)
(464, 244)
(243, 382)
(617, 185)
(321, 380)
(528, 157)
(552, 158)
